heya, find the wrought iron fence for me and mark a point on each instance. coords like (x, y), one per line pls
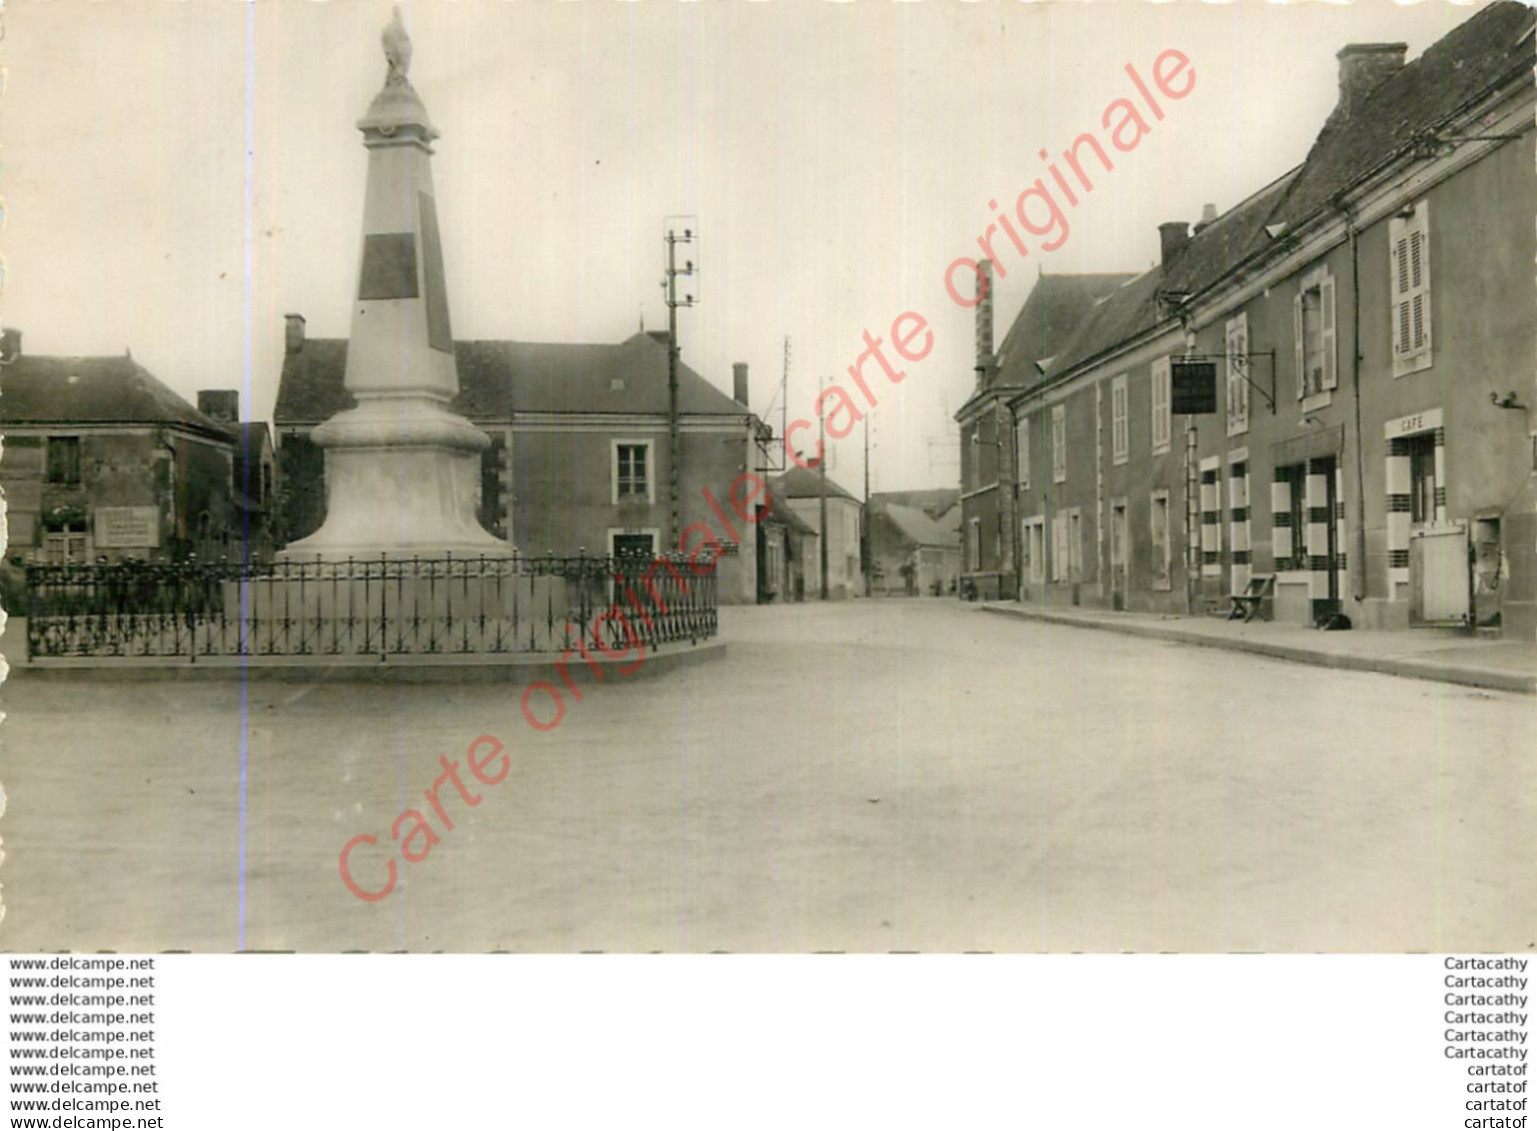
(380, 607)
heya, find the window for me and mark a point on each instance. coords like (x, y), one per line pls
(1059, 443)
(1409, 239)
(974, 544)
(1422, 478)
(64, 544)
(1160, 406)
(976, 456)
(1313, 328)
(632, 471)
(1238, 375)
(1022, 451)
(1120, 440)
(64, 460)
(1159, 517)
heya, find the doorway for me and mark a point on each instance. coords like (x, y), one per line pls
(1118, 548)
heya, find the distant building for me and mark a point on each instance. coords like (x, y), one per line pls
(253, 475)
(912, 554)
(103, 461)
(789, 559)
(580, 456)
(802, 489)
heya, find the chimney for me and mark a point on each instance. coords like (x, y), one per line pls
(10, 345)
(739, 382)
(220, 405)
(1172, 238)
(1208, 217)
(1363, 68)
(293, 332)
(984, 323)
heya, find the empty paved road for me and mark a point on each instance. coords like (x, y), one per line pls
(867, 776)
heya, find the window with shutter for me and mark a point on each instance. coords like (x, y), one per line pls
(1059, 443)
(1022, 451)
(1237, 375)
(1409, 239)
(1119, 426)
(1161, 406)
(1313, 320)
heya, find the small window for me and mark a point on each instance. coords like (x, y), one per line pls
(1059, 443)
(64, 460)
(632, 472)
(1120, 440)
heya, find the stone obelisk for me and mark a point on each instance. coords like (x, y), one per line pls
(402, 471)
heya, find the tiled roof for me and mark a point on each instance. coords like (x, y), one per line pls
(806, 483)
(1469, 61)
(499, 379)
(918, 528)
(36, 389)
(1058, 305)
(1211, 253)
(780, 512)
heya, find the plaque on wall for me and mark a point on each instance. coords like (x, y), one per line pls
(127, 528)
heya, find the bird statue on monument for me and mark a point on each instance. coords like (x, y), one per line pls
(397, 50)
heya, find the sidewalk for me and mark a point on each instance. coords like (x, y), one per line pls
(1446, 656)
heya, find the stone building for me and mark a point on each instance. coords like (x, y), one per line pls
(103, 461)
(1364, 326)
(802, 489)
(579, 460)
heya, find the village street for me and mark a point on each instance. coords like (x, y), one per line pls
(870, 776)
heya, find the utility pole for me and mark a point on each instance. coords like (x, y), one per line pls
(674, 440)
(822, 493)
(867, 523)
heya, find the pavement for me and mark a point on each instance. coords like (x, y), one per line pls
(863, 776)
(1444, 655)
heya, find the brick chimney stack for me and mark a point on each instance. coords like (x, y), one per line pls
(293, 332)
(1172, 238)
(984, 324)
(1363, 68)
(10, 345)
(220, 405)
(739, 382)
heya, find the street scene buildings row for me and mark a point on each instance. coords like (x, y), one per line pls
(1367, 449)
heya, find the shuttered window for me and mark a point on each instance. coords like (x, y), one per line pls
(1160, 405)
(1059, 443)
(1238, 375)
(1120, 427)
(1313, 329)
(1409, 238)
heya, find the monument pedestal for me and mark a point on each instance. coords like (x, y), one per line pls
(402, 479)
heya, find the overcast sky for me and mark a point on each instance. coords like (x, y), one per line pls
(837, 156)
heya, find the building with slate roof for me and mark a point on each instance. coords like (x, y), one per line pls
(1368, 320)
(1056, 307)
(103, 461)
(579, 459)
(913, 555)
(802, 489)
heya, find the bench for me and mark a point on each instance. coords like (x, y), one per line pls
(1246, 605)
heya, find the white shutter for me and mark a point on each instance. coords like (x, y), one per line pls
(1297, 332)
(1326, 331)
